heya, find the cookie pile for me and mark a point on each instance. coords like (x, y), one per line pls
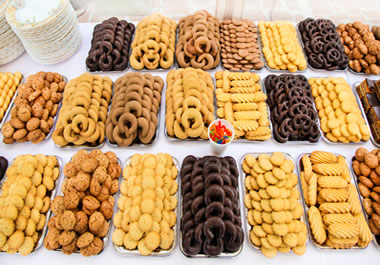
(110, 45)
(322, 44)
(339, 113)
(84, 111)
(82, 213)
(361, 47)
(210, 222)
(153, 45)
(8, 85)
(240, 100)
(11, 46)
(35, 107)
(189, 103)
(239, 46)
(3, 166)
(291, 106)
(134, 109)
(147, 205)
(25, 202)
(281, 47)
(272, 201)
(367, 170)
(198, 41)
(335, 215)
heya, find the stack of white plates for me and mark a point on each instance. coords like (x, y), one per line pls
(10, 45)
(48, 29)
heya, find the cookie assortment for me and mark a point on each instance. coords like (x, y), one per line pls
(322, 44)
(110, 45)
(292, 112)
(281, 48)
(84, 111)
(239, 45)
(210, 221)
(361, 47)
(241, 101)
(334, 211)
(8, 85)
(133, 116)
(153, 45)
(82, 214)
(339, 113)
(35, 107)
(147, 205)
(367, 170)
(198, 41)
(25, 202)
(272, 202)
(189, 103)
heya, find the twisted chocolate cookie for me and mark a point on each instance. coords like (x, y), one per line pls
(134, 109)
(210, 222)
(322, 44)
(292, 113)
(110, 45)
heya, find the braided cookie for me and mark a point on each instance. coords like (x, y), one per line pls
(153, 45)
(281, 48)
(335, 217)
(339, 114)
(134, 109)
(84, 110)
(241, 101)
(198, 41)
(239, 46)
(273, 208)
(189, 103)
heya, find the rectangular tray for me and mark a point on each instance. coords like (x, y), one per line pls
(260, 51)
(158, 253)
(376, 239)
(223, 254)
(248, 227)
(319, 121)
(106, 238)
(10, 104)
(54, 192)
(175, 139)
(364, 114)
(283, 71)
(306, 208)
(289, 141)
(307, 57)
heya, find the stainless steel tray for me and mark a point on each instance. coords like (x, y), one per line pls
(10, 104)
(306, 208)
(307, 57)
(290, 141)
(260, 51)
(283, 71)
(248, 227)
(121, 250)
(319, 121)
(53, 194)
(106, 238)
(376, 239)
(175, 139)
(364, 114)
(223, 254)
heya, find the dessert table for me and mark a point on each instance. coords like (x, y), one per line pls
(75, 66)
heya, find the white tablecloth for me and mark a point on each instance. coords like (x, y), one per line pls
(76, 66)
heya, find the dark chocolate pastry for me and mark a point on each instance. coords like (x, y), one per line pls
(210, 222)
(292, 112)
(3, 166)
(110, 45)
(322, 44)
